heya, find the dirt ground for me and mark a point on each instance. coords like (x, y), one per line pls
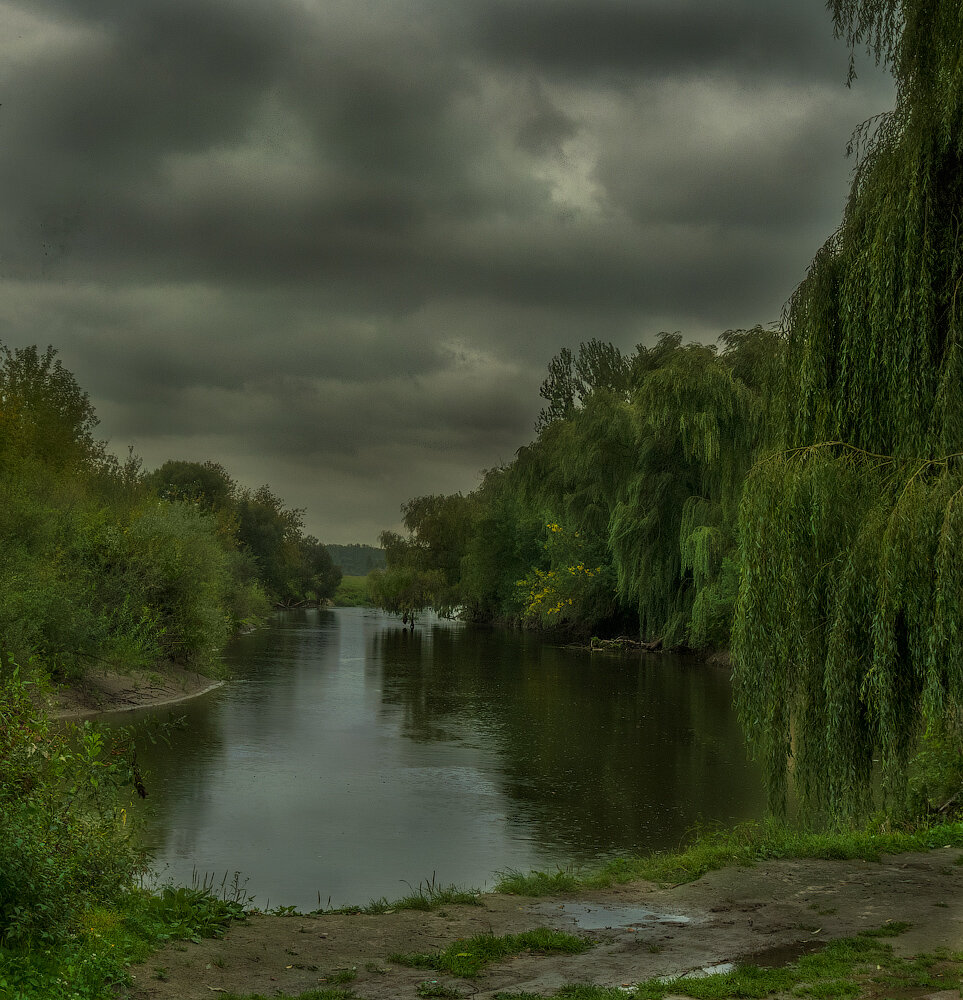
(103, 691)
(769, 914)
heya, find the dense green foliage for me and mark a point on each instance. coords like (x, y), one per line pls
(352, 592)
(103, 564)
(62, 848)
(72, 914)
(97, 569)
(267, 536)
(848, 637)
(620, 516)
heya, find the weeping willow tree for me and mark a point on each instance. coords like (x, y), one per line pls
(697, 426)
(848, 638)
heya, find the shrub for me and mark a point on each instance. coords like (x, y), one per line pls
(64, 846)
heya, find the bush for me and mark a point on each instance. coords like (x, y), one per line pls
(178, 572)
(64, 846)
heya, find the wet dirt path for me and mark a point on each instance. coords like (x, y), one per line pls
(767, 914)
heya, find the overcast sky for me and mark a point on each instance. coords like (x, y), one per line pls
(333, 244)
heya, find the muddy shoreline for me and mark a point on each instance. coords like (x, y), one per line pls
(106, 692)
(768, 914)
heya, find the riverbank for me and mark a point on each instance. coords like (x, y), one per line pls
(769, 915)
(108, 691)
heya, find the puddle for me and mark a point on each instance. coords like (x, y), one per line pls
(593, 918)
(704, 973)
(783, 954)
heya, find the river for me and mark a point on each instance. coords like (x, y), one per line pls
(350, 759)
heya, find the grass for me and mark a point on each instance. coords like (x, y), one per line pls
(427, 896)
(132, 930)
(859, 967)
(341, 976)
(746, 844)
(96, 959)
(466, 957)
(352, 592)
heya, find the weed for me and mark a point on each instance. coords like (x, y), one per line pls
(428, 895)
(375, 969)
(842, 969)
(466, 957)
(537, 883)
(341, 976)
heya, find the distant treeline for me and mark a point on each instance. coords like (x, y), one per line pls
(356, 560)
(104, 563)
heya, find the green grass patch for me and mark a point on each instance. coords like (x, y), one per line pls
(427, 896)
(554, 883)
(466, 957)
(341, 976)
(352, 592)
(89, 966)
(746, 844)
(859, 966)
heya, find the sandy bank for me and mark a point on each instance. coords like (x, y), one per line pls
(104, 691)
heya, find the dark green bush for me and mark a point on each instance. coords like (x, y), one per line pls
(64, 842)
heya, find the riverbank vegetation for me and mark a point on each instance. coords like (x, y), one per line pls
(793, 495)
(73, 914)
(105, 566)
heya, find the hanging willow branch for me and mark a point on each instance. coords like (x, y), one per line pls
(848, 638)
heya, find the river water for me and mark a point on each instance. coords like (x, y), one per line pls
(350, 759)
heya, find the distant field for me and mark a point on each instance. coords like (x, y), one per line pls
(353, 593)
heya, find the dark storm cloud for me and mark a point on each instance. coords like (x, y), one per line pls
(299, 236)
(626, 39)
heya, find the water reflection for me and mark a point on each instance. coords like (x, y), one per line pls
(350, 755)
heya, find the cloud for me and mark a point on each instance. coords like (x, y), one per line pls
(336, 245)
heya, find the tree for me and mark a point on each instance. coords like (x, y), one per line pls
(319, 575)
(271, 533)
(424, 568)
(696, 426)
(849, 630)
(206, 483)
(44, 414)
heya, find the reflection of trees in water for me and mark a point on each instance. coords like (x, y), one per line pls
(598, 752)
(193, 734)
(295, 657)
(292, 657)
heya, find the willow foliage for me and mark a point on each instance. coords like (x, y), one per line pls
(696, 430)
(847, 641)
